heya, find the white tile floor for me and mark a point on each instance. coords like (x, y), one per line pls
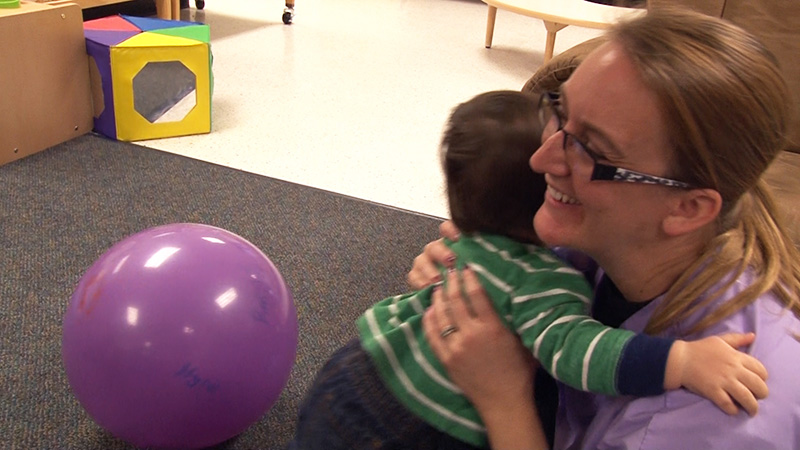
(352, 96)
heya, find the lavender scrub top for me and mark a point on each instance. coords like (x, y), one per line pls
(681, 419)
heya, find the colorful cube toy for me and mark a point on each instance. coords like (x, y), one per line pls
(151, 78)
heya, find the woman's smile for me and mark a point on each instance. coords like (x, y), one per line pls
(561, 197)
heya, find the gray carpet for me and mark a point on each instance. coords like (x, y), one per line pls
(62, 208)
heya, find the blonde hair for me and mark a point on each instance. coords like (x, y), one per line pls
(726, 108)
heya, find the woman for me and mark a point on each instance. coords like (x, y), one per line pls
(653, 152)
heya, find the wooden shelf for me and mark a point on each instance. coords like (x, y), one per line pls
(165, 9)
(84, 4)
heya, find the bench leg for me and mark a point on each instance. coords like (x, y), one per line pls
(163, 9)
(490, 25)
(176, 9)
(168, 9)
(552, 28)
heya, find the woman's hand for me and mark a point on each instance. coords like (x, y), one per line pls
(486, 360)
(425, 270)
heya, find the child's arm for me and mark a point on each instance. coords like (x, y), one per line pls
(592, 357)
(713, 368)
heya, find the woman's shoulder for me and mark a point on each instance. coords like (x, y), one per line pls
(661, 421)
(766, 313)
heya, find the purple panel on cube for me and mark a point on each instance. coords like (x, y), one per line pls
(105, 123)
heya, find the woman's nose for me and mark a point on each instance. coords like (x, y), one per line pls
(549, 158)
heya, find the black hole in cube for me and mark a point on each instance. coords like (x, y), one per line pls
(164, 90)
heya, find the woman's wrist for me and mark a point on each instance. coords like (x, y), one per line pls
(514, 425)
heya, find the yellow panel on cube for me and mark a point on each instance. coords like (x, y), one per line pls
(140, 55)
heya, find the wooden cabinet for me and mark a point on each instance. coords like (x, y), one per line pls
(45, 95)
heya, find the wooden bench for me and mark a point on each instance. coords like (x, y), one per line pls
(557, 14)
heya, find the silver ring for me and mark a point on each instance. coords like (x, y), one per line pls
(448, 330)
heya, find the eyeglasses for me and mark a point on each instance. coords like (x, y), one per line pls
(552, 122)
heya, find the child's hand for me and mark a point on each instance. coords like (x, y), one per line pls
(713, 368)
(426, 268)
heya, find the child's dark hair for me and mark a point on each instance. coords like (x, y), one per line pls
(485, 151)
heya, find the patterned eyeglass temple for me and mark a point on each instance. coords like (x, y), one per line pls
(611, 173)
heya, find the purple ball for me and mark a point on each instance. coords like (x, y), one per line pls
(180, 336)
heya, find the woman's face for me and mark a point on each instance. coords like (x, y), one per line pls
(608, 109)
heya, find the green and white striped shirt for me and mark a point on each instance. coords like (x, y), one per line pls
(542, 299)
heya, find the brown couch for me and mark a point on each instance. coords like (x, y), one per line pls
(775, 22)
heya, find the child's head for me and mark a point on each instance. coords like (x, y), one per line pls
(485, 151)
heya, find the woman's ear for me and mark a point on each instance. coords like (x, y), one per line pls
(692, 210)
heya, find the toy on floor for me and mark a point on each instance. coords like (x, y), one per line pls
(179, 336)
(151, 78)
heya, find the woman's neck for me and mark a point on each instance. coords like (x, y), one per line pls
(643, 274)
